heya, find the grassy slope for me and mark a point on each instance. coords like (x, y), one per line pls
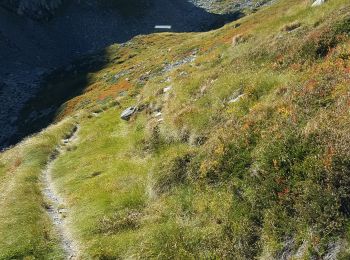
(25, 229)
(262, 176)
(105, 180)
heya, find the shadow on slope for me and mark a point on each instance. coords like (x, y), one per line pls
(80, 28)
(87, 26)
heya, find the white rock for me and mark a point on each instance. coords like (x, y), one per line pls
(234, 100)
(158, 114)
(318, 3)
(167, 89)
(62, 211)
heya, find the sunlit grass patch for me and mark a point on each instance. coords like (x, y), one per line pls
(25, 228)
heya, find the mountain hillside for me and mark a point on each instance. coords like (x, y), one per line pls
(237, 146)
(39, 36)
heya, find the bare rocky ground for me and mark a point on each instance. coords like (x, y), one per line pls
(56, 208)
(231, 5)
(37, 37)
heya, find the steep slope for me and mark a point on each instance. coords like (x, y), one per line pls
(239, 147)
(32, 45)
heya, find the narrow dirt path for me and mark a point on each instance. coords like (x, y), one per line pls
(56, 207)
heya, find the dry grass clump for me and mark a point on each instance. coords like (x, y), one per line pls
(122, 220)
(291, 26)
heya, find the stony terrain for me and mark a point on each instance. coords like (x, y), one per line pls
(224, 6)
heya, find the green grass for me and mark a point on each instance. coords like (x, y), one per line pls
(26, 231)
(101, 178)
(259, 177)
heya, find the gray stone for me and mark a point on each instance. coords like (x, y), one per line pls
(235, 99)
(127, 113)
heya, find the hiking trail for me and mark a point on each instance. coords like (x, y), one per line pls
(56, 207)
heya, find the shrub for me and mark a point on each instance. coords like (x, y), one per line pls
(323, 39)
(291, 26)
(172, 171)
(121, 220)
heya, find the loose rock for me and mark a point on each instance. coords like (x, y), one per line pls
(318, 3)
(127, 113)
